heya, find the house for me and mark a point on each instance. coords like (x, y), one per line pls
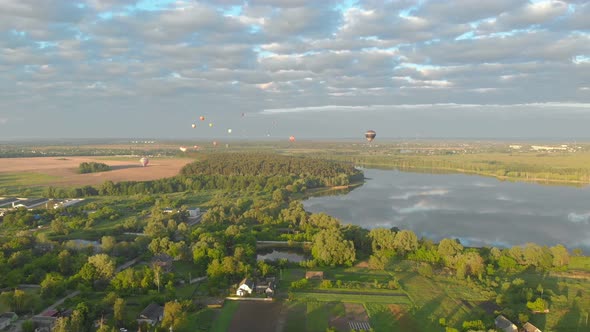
(29, 203)
(267, 287)
(314, 275)
(502, 323)
(163, 261)
(528, 327)
(6, 319)
(270, 289)
(152, 314)
(245, 287)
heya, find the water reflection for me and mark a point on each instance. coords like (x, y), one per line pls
(478, 210)
(293, 256)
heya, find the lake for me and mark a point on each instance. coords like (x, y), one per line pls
(480, 211)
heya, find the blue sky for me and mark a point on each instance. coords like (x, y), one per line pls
(313, 69)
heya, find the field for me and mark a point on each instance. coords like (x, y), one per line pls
(62, 172)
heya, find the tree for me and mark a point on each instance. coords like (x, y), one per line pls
(118, 309)
(538, 305)
(330, 248)
(107, 243)
(98, 267)
(382, 239)
(174, 314)
(561, 257)
(405, 241)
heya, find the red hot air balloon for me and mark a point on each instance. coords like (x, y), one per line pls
(202, 118)
(370, 135)
(292, 139)
(144, 161)
(214, 143)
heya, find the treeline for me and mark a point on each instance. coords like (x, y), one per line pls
(494, 168)
(330, 173)
(93, 167)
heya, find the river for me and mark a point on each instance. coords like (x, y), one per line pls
(480, 211)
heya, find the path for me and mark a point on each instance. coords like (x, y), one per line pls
(59, 302)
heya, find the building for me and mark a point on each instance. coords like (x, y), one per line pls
(7, 201)
(502, 323)
(268, 287)
(246, 287)
(528, 327)
(67, 202)
(29, 203)
(314, 275)
(6, 319)
(152, 314)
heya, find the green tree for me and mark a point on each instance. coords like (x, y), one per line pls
(330, 248)
(174, 315)
(119, 309)
(561, 257)
(405, 241)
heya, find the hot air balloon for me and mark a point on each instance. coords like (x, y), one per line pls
(194, 125)
(202, 118)
(214, 143)
(210, 124)
(144, 161)
(243, 114)
(196, 147)
(370, 135)
(182, 148)
(292, 139)
(229, 131)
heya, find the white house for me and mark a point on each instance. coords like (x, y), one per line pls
(245, 288)
(502, 323)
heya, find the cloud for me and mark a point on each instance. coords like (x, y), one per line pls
(579, 218)
(422, 206)
(343, 108)
(3, 121)
(434, 192)
(67, 62)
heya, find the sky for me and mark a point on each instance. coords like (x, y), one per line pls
(308, 68)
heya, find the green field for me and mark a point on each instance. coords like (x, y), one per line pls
(18, 183)
(579, 263)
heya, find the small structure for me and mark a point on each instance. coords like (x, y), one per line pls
(528, 327)
(245, 287)
(6, 319)
(502, 323)
(194, 212)
(152, 314)
(163, 261)
(314, 275)
(270, 289)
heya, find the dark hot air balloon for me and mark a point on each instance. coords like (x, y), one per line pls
(370, 135)
(144, 161)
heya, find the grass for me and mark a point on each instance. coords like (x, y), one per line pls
(28, 183)
(318, 316)
(352, 298)
(223, 321)
(580, 263)
(199, 321)
(296, 316)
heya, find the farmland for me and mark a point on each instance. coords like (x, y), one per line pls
(16, 174)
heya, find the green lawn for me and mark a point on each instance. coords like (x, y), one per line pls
(199, 321)
(223, 320)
